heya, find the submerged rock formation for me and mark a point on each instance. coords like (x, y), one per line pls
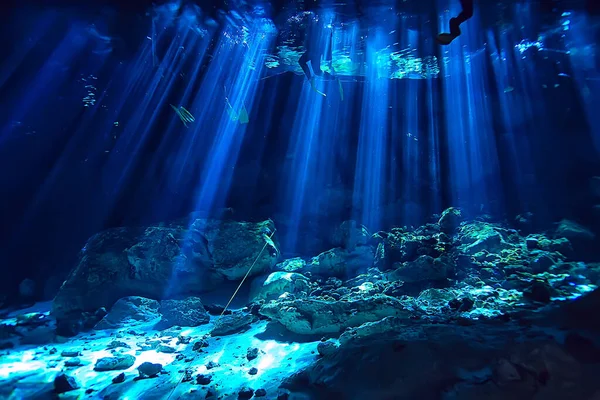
(163, 261)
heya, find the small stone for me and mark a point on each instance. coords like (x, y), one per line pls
(252, 353)
(73, 362)
(245, 393)
(149, 369)
(203, 379)
(119, 378)
(53, 350)
(183, 339)
(64, 383)
(199, 345)
(69, 353)
(253, 371)
(260, 393)
(165, 349)
(115, 344)
(211, 365)
(115, 363)
(187, 377)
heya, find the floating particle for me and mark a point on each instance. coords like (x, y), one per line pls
(563, 74)
(509, 89)
(116, 123)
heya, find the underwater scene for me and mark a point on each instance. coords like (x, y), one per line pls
(310, 199)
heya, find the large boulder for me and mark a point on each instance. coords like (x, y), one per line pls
(186, 312)
(450, 219)
(272, 286)
(479, 236)
(146, 262)
(574, 232)
(341, 263)
(393, 359)
(130, 311)
(312, 316)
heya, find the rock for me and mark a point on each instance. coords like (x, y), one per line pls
(311, 316)
(120, 362)
(541, 264)
(450, 219)
(119, 378)
(27, 289)
(73, 362)
(433, 300)
(181, 339)
(144, 261)
(283, 396)
(260, 393)
(341, 263)
(252, 353)
(70, 353)
(479, 236)
(253, 371)
(163, 348)
(203, 379)
(424, 268)
(129, 312)
(211, 365)
(232, 323)
(245, 393)
(216, 309)
(149, 370)
(531, 243)
(187, 312)
(538, 291)
(274, 285)
(198, 345)
(326, 348)
(349, 235)
(116, 344)
(235, 246)
(506, 372)
(295, 264)
(573, 231)
(64, 383)
(373, 354)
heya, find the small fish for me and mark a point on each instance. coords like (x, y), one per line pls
(116, 123)
(184, 115)
(509, 89)
(565, 75)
